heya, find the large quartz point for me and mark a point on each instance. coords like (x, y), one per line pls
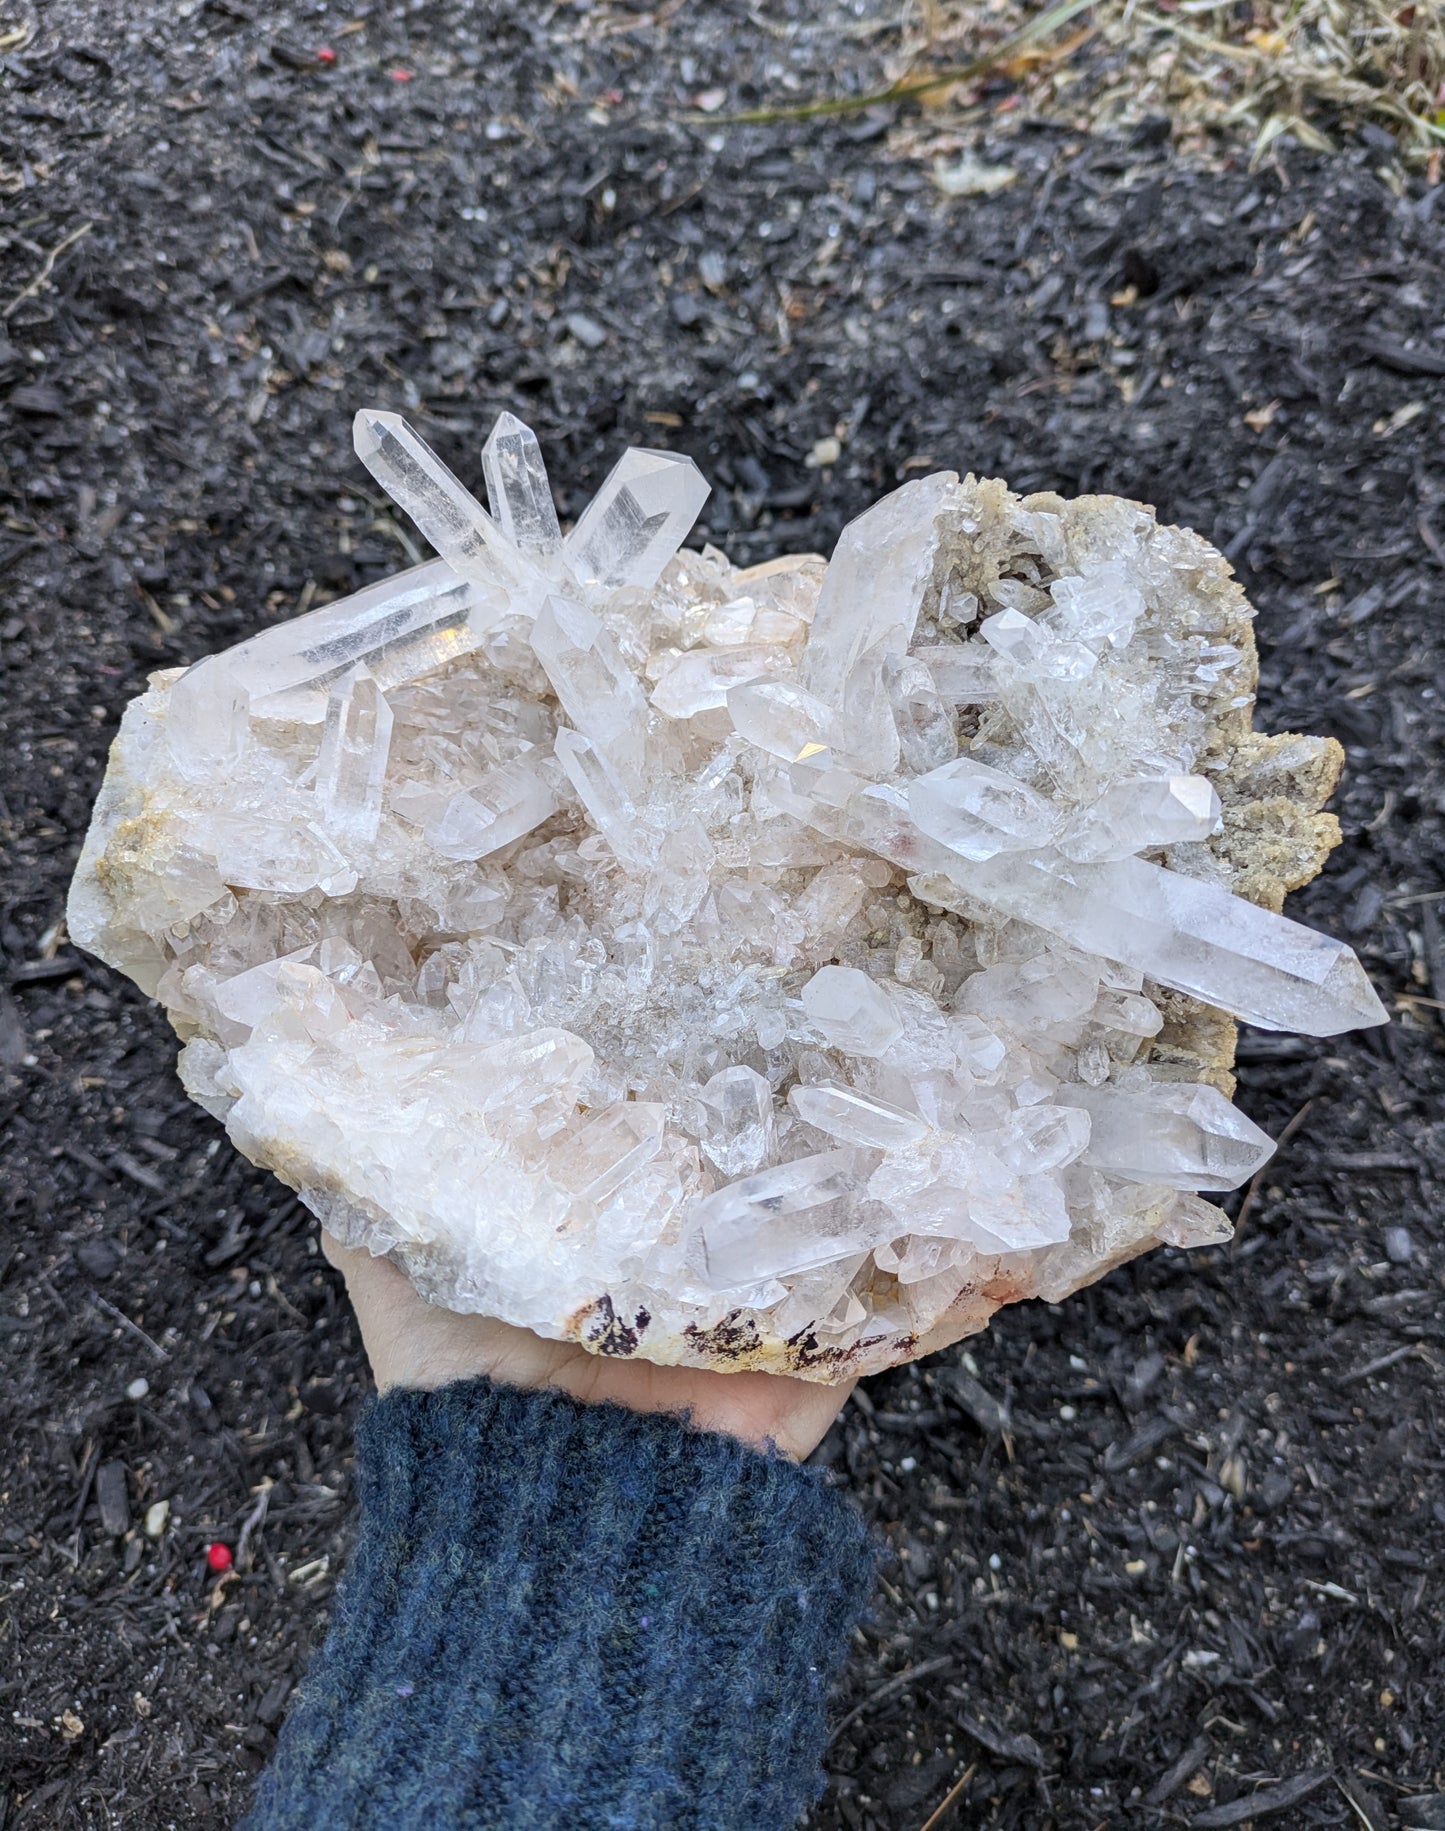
(777, 967)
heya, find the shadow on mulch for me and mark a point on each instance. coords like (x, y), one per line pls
(1163, 1549)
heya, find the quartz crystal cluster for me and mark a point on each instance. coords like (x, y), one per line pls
(780, 966)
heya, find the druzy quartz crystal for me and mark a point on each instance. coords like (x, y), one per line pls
(779, 966)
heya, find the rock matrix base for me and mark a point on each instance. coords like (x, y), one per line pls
(780, 967)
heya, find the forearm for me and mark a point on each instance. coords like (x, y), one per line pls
(562, 1614)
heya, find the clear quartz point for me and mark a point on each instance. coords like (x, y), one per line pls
(701, 679)
(853, 1011)
(1034, 650)
(785, 1220)
(978, 811)
(597, 690)
(738, 1127)
(355, 742)
(785, 720)
(637, 520)
(1137, 815)
(868, 609)
(1182, 932)
(595, 1161)
(874, 585)
(1102, 607)
(964, 673)
(1182, 1133)
(518, 490)
(855, 1118)
(927, 728)
(606, 797)
(1192, 1222)
(402, 629)
(441, 505)
(207, 722)
(508, 801)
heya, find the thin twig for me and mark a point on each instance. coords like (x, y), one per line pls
(125, 1322)
(936, 1818)
(1249, 1194)
(252, 1521)
(47, 267)
(901, 1683)
(1392, 1359)
(87, 1482)
(920, 81)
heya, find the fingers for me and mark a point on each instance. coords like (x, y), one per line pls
(411, 1342)
(355, 1261)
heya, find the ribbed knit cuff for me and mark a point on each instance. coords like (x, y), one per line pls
(570, 1615)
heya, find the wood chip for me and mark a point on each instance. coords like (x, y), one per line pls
(1262, 1805)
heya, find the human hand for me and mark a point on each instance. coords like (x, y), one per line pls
(411, 1342)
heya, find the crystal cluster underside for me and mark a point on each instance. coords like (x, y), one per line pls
(776, 967)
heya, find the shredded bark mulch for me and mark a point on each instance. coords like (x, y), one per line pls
(1166, 1554)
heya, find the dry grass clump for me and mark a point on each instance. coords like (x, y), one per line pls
(1215, 69)
(1296, 68)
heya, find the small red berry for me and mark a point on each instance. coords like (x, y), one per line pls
(401, 76)
(325, 55)
(218, 1556)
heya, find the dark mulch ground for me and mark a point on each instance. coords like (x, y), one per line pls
(1166, 1547)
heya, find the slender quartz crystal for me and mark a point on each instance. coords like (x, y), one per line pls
(853, 1118)
(785, 720)
(1185, 1134)
(1183, 933)
(637, 520)
(964, 673)
(351, 771)
(786, 1220)
(868, 608)
(701, 680)
(606, 797)
(611, 1148)
(206, 720)
(1141, 813)
(508, 802)
(402, 629)
(445, 510)
(1180, 931)
(977, 811)
(596, 688)
(517, 488)
(874, 585)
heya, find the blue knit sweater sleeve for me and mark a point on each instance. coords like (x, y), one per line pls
(567, 1615)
